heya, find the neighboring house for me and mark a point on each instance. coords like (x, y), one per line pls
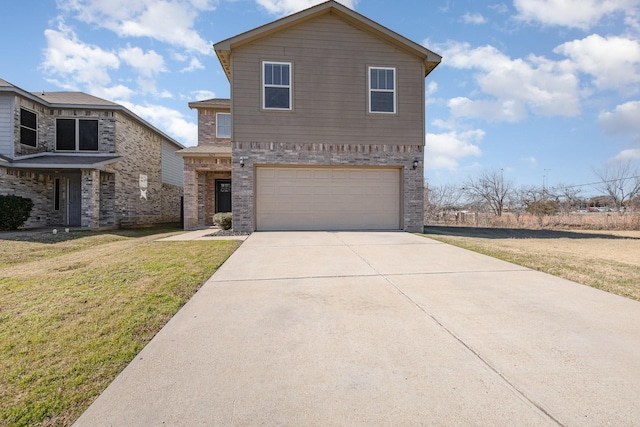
(85, 161)
(327, 127)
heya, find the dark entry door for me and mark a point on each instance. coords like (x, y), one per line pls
(74, 201)
(223, 195)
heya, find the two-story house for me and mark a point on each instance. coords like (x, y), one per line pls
(327, 132)
(85, 161)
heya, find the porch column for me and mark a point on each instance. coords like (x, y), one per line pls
(190, 194)
(90, 189)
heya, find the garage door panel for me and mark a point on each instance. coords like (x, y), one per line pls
(317, 198)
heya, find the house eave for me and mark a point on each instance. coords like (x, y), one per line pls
(223, 48)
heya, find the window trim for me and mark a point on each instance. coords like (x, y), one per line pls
(218, 129)
(77, 135)
(370, 91)
(289, 86)
(35, 130)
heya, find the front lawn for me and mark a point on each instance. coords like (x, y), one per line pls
(75, 308)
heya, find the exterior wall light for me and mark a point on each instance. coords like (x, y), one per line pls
(415, 164)
(241, 162)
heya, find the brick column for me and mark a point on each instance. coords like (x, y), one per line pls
(190, 193)
(90, 189)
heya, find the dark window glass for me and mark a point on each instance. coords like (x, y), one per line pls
(65, 134)
(88, 130)
(28, 128)
(382, 102)
(277, 86)
(276, 97)
(56, 194)
(382, 90)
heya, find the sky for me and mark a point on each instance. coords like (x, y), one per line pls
(546, 91)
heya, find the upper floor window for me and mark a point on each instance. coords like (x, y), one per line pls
(382, 90)
(28, 128)
(76, 135)
(276, 90)
(223, 125)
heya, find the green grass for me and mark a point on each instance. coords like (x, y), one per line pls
(76, 310)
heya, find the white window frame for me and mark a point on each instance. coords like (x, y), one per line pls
(218, 135)
(265, 86)
(370, 91)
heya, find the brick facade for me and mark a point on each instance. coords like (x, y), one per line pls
(200, 174)
(265, 153)
(111, 197)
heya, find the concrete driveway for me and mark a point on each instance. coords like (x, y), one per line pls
(347, 328)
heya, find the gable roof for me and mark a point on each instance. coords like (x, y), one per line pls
(78, 100)
(223, 48)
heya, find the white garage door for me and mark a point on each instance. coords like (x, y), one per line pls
(311, 198)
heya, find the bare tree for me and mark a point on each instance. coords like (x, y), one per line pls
(440, 199)
(569, 197)
(491, 188)
(620, 180)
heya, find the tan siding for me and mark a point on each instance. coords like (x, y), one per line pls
(330, 59)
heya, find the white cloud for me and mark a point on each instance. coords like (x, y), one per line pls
(170, 121)
(582, 14)
(507, 110)
(168, 21)
(443, 151)
(287, 7)
(201, 95)
(147, 64)
(432, 88)
(625, 119)
(194, 64)
(515, 86)
(114, 93)
(626, 156)
(473, 18)
(614, 62)
(74, 63)
(499, 8)
(531, 161)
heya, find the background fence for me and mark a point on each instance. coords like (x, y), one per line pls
(589, 221)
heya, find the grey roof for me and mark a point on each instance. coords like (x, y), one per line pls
(74, 98)
(57, 161)
(222, 103)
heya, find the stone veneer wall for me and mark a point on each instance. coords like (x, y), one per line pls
(265, 153)
(141, 151)
(200, 174)
(207, 126)
(107, 200)
(47, 126)
(33, 185)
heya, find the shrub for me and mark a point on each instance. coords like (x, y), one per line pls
(223, 220)
(14, 211)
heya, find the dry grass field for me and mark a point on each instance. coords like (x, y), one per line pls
(607, 260)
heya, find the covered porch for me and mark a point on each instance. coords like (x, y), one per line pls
(67, 190)
(207, 184)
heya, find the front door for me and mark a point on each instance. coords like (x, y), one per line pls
(223, 195)
(74, 201)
